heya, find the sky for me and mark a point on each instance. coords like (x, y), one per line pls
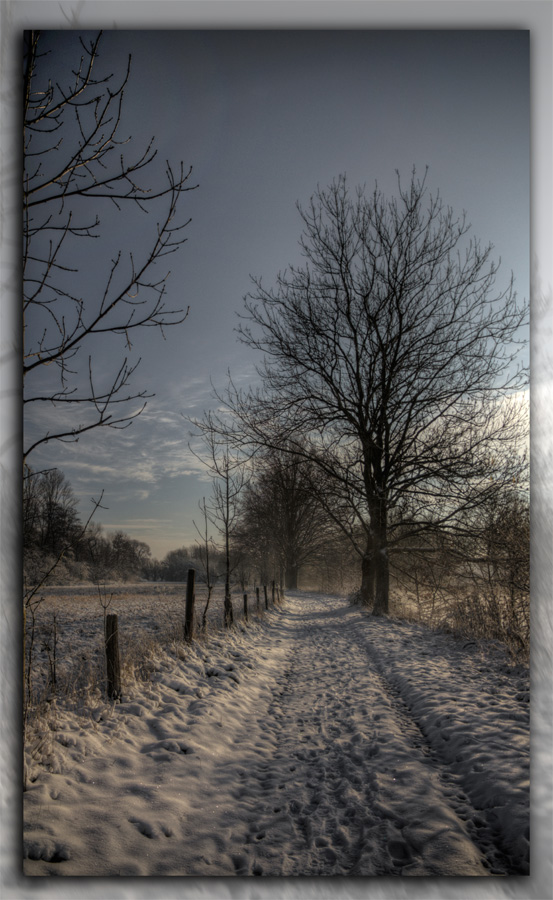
(264, 117)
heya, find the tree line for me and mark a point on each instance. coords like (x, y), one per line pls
(281, 532)
(289, 527)
(54, 537)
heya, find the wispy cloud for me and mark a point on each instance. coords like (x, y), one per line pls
(157, 445)
(133, 524)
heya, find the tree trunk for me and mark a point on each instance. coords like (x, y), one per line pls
(381, 563)
(367, 576)
(291, 580)
(229, 612)
(382, 583)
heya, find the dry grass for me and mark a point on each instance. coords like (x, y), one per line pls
(66, 642)
(484, 615)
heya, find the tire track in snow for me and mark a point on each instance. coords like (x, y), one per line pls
(352, 787)
(450, 783)
(479, 816)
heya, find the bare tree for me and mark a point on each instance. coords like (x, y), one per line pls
(204, 547)
(77, 185)
(390, 361)
(281, 515)
(229, 477)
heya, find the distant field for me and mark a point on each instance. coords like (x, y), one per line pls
(150, 603)
(147, 612)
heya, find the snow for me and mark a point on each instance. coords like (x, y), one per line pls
(316, 740)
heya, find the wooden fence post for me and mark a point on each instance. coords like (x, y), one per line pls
(266, 599)
(189, 609)
(246, 607)
(257, 598)
(113, 661)
(228, 611)
(273, 592)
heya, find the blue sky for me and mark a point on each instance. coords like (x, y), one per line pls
(263, 117)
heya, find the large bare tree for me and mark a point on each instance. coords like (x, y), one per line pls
(85, 188)
(389, 361)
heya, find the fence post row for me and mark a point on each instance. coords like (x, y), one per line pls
(189, 608)
(113, 660)
(190, 599)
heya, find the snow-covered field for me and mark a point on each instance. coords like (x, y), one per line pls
(316, 741)
(147, 613)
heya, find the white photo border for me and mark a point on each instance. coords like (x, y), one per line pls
(537, 17)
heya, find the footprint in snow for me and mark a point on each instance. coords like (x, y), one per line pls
(240, 863)
(400, 852)
(168, 744)
(46, 850)
(144, 828)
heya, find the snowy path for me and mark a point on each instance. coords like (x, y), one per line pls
(324, 743)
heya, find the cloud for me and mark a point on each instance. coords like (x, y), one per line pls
(128, 524)
(94, 470)
(154, 446)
